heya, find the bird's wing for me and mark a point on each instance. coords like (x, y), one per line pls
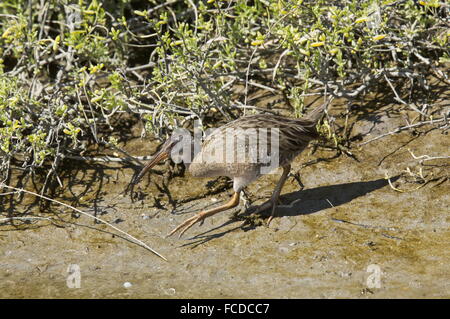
(292, 135)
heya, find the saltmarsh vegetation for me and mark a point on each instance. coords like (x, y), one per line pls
(70, 70)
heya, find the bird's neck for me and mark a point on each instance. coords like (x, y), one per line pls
(187, 153)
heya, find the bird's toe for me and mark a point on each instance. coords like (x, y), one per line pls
(183, 227)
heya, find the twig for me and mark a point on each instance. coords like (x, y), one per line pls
(424, 158)
(391, 237)
(391, 185)
(246, 77)
(162, 5)
(139, 242)
(403, 128)
(128, 156)
(105, 158)
(398, 99)
(265, 87)
(362, 225)
(141, 67)
(195, 13)
(275, 69)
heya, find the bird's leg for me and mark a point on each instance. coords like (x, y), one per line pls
(234, 201)
(276, 194)
(277, 190)
(246, 199)
(296, 176)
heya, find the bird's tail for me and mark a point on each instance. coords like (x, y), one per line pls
(316, 114)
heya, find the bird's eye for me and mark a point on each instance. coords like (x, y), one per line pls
(175, 140)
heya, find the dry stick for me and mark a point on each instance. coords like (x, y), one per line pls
(102, 158)
(195, 13)
(272, 90)
(246, 77)
(107, 159)
(141, 243)
(162, 5)
(128, 156)
(403, 128)
(362, 225)
(424, 158)
(141, 67)
(391, 185)
(398, 99)
(278, 64)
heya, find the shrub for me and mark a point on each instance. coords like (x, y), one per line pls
(69, 68)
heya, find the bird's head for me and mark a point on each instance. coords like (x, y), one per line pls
(161, 155)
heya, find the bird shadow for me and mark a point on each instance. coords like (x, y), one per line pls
(303, 202)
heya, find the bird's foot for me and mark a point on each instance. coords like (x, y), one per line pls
(234, 201)
(246, 199)
(272, 215)
(188, 224)
(270, 219)
(272, 203)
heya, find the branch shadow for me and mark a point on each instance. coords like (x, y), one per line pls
(304, 202)
(81, 180)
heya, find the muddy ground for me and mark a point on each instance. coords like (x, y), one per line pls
(321, 245)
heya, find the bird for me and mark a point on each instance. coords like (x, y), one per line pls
(292, 136)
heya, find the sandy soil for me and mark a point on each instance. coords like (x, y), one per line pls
(321, 245)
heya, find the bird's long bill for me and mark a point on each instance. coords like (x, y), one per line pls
(160, 156)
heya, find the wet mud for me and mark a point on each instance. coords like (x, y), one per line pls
(348, 233)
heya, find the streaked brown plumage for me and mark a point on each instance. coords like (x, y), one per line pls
(293, 137)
